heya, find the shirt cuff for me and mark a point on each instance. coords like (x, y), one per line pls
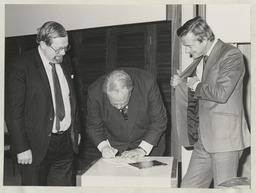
(146, 146)
(103, 144)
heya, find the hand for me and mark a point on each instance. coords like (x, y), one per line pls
(192, 81)
(108, 152)
(133, 154)
(25, 157)
(175, 80)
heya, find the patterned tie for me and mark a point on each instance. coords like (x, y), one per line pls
(124, 112)
(60, 111)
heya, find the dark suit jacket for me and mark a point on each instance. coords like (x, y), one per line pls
(29, 107)
(146, 114)
(221, 113)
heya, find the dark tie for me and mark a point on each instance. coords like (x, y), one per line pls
(60, 111)
(124, 113)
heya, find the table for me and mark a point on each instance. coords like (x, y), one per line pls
(102, 173)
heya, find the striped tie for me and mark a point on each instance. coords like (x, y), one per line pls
(124, 113)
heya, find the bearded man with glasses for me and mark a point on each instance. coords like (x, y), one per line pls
(41, 112)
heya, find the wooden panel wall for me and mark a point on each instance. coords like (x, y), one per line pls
(145, 46)
(96, 51)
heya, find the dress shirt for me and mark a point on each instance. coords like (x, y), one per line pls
(199, 68)
(66, 122)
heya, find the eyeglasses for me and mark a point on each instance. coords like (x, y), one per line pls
(61, 49)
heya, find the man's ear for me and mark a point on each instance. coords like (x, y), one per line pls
(204, 40)
(42, 44)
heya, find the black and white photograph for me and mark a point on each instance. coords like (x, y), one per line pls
(114, 96)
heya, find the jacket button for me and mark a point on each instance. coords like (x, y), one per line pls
(51, 118)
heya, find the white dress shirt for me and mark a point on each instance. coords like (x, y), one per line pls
(66, 122)
(199, 68)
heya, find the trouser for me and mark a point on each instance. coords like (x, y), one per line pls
(205, 166)
(56, 168)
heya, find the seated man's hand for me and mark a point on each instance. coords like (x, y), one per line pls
(134, 154)
(108, 152)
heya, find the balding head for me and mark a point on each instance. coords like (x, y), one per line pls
(118, 87)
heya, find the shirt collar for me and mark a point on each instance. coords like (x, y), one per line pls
(44, 59)
(210, 50)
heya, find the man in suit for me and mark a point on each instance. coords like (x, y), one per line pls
(134, 93)
(41, 113)
(217, 85)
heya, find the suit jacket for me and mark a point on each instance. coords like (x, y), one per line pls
(29, 105)
(221, 113)
(146, 114)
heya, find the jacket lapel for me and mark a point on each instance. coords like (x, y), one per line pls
(190, 69)
(67, 74)
(133, 108)
(113, 112)
(212, 58)
(42, 74)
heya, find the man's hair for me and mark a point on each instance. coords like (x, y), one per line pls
(198, 27)
(49, 31)
(116, 81)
